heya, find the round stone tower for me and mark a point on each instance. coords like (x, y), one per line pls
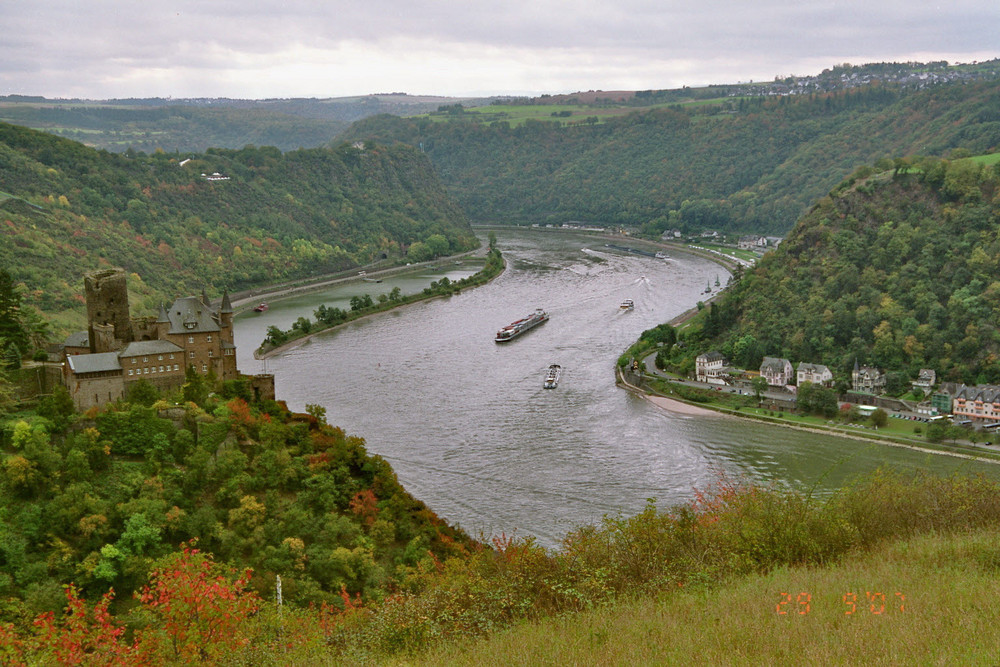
(107, 305)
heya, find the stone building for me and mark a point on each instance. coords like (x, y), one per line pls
(867, 379)
(777, 372)
(118, 350)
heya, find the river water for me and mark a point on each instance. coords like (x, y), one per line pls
(469, 429)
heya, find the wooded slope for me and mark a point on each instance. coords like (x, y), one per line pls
(896, 269)
(744, 164)
(66, 209)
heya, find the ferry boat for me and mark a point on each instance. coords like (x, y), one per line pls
(518, 327)
(552, 376)
(627, 304)
(260, 307)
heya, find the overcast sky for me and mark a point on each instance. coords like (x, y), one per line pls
(298, 48)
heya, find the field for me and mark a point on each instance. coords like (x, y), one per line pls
(987, 160)
(565, 114)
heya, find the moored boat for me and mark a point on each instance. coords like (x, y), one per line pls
(260, 307)
(552, 376)
(518, 327)
(627, 304)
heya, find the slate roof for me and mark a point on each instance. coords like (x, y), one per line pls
(987, 393)
(93, 363)
(189, 315)
(711, 356)
(774, 363)
(813, 368)
(78, 339)
(147, 347)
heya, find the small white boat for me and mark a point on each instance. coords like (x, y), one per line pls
(552, 376)
(627, 304)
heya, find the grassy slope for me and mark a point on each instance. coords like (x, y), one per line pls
(948, 616)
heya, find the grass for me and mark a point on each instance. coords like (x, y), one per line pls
(987, 160)
(944, 613)
(705, 579)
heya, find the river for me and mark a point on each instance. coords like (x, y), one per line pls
(469, 429)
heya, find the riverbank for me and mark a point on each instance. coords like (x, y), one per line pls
(679, 405)
(484, 276)
(249, 298)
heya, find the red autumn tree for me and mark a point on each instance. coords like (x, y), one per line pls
(200, 608)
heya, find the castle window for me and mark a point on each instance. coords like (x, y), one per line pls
(175, 367)
(161, 369)
(204, 368)
(208, 338)
(171, 355)
(190, 339)
(145, 359)
(133, 360)
(145, 371)
(191, 355)
(130, 371)
(160, 358)
(209, 353)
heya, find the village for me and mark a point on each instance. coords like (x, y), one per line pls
(973, 406)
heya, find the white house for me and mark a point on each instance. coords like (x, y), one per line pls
(815, 373)
(709, 367)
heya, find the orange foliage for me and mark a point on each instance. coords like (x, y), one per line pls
(365, 505)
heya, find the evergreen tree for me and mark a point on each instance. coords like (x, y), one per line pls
(13, 337)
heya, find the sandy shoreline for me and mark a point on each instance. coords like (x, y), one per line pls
(682, 408)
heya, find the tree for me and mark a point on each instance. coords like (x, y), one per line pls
(879, 418)
(438, 245)
(202, 609)
(57, 407)
(142, 392)
(195, 389)
(759, 385)
(419, 252)
(12, 333)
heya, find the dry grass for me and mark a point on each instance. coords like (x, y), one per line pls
(950, 616)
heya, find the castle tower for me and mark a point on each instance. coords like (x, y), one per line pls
(162, 323)
(107, 304)
(226, 316)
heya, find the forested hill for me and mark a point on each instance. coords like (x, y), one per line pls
(898, 269)
(66, 209)
(736, 164)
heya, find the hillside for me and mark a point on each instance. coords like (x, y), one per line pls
(740, 163)
(872, 566)
(67, 209)
(97, 499)
(199, 124)
(896, 268)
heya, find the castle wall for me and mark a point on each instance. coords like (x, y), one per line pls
(95, 390)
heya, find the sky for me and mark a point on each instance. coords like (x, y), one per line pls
(100, 49)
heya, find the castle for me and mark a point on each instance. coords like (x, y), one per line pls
(101, 364)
